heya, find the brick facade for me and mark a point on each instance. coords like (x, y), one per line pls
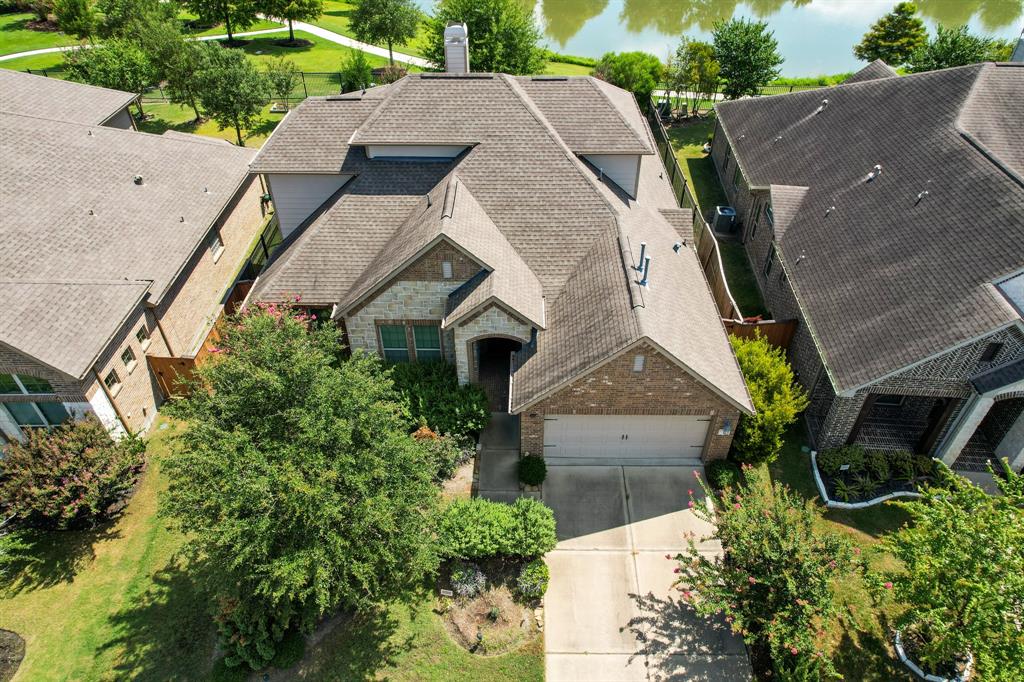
(190, 307)
(662, 388)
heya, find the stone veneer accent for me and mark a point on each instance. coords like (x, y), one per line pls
(493, 321)
(403, 300)
(662, 388)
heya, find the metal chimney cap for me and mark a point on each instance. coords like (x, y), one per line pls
(456, 31)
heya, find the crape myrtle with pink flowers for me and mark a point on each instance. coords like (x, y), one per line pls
(775, 583)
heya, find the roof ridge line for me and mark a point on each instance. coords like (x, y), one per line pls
(395, 87)
(643, 137)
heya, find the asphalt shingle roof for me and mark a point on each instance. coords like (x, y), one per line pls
(29, 95)
(874, 70)
(886, 279)
(548, 209)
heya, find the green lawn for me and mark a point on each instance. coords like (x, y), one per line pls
(688, 141)
(15, 37)
(336, 18)
(863, 648)
(166, 116)
(322, 55)
(51, 60)
(116, 603)
(218, 29)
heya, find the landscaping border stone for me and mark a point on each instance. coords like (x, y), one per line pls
(916, 669)
(832, 504)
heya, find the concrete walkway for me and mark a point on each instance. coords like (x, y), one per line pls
(611, 611)
(499, 459)
(330, 36)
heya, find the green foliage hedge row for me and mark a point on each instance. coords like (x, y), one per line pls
(568, 59)
(869, 469)
(435, 398)
(478, 529)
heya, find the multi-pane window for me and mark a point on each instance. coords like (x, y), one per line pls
(8, 384)
(128, 357)
(31, 413)
(215, 244)
(25, 414)
(112, 381)
(394, 342)
(35, 384)
(428, 342)
(142, 336)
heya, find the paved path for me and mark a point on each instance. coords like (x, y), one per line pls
(612, 612)
(330, 36)
(499, 459)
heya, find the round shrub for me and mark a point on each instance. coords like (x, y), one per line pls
(532, 470)
(478, 529)
(289, 650)
(723, 473)
(533, 579)
(71, 475)
(446, 454)
(467, 580)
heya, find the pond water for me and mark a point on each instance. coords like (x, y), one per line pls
(815, 36)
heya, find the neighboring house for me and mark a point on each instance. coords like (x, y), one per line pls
(502, 224)
(118, 246)
(886, 215)
(28, 95)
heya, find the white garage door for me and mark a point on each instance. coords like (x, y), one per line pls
(624, 437)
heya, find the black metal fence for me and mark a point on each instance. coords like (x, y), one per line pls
(672, 101)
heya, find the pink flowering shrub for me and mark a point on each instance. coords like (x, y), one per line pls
(775, 584)
(70, 476)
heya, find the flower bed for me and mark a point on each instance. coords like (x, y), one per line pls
(957, 671)
(851, 476)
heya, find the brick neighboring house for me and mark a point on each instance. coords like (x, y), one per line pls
(119, 246)
(886, 215)
(502, 224)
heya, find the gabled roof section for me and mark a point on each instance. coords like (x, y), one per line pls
(512, 286)
(58, 100)
(313, 137)
(450, 213)
(900, 270)
(873, 71)
(584, 115)
(999, 377)
(786, 203)
(65, 325)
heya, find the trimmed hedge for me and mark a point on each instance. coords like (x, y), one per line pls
(723, 473)
(435, 398)
(478, 529)
(532, 470)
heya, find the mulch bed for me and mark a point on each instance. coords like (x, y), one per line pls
(912, 643)
(890, 486)
(12, 652)
(298, 42)
(47, 26)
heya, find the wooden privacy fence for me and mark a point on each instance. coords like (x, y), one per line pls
(173, 374)
(777, 332)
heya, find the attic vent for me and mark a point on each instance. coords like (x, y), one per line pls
(553, 79)
(137, 179)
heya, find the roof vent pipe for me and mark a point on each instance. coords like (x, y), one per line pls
(643, 252)
(137, 179)
(456, 48)
(647, 271)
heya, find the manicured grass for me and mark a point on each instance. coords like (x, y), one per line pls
(321, 55)
(117, 603)
(166, 116)
(336, 18)
(688, 141)
(564, 69)
(863, 648)
(114, 602)
(408, 642)
(218, 29)
(40, 61)
(15, 36)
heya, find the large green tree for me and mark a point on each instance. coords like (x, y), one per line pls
(961, 583)
(292, 10)
(693, 72)
(777, 398)
(176, 61)
(231, 90)
(236, 14)
(297, 481)
(894, 37)
(776, 583)
(392, 22)
(76, 17)
(119, 64)
(121, 18)
(503, 35)
(953, 47)
(638, 72)
(748, 56)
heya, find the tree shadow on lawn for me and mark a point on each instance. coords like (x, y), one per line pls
(165, 632)
(51, 557)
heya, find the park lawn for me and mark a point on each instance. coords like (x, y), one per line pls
(322, 55)
(863, 649)
(564, 69)
(166, 116)
(336, 18)
(118, 602)
(688, 141)
(16, 37)
(218, 29)
(52, 60)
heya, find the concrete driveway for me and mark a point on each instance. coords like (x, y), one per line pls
(611, 612)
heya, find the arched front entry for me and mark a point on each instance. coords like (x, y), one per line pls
(490, 366)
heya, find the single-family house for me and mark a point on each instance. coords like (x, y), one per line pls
(522, 229)
(886, 216)
(119, 248)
